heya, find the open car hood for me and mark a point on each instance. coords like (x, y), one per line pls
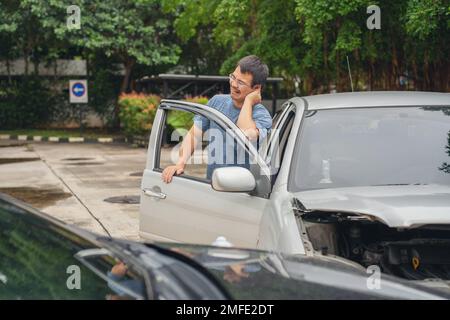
(401, 206)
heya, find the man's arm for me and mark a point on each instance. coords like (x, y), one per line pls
(189, 144)
(245, 121)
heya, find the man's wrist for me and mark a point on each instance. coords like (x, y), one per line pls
(249, 102)
(182, 165)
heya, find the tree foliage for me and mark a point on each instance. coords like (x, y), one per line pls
(304, 41)
(310, 40)
(135, 32)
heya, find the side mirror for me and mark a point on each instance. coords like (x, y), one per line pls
(233, 179)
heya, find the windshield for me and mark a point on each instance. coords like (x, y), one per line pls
(372, 146)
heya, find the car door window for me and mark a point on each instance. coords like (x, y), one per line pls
(176, 125)
(279, 138)
(124, 282)
(285, 131)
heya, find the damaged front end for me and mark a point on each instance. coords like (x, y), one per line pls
(416, 253)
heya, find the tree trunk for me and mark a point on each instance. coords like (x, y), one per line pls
(445, 76)
(36, 67)
(371, 70)
(55, 69)
(8, 70)
(417, 84)
(394, 71)
(126, 80)
(426, 72)
(307, 85)
(339, 85)
(325, 63)
(25, 57)
(356, 70)
(129, 64)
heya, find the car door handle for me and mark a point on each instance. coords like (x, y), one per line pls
(154, 194)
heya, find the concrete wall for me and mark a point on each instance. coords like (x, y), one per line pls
(60, 67)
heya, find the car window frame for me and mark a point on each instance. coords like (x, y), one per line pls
(281, 121)
(263, 186)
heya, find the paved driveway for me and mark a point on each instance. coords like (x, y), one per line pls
(71, 182)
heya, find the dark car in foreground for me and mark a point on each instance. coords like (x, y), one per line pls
(43, 258)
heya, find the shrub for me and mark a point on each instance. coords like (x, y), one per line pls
(27, 103)
(137, 112)
(199, 100)
(181, 119)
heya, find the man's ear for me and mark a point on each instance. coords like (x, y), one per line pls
(257, 86)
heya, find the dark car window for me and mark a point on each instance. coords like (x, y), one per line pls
(372, 146)
(37, 260)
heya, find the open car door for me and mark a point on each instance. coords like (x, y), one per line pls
(188, 209)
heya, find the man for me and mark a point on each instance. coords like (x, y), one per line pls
(242, 106)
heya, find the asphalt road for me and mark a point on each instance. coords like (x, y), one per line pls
(71, 182)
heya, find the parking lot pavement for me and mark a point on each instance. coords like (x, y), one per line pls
(71, 182)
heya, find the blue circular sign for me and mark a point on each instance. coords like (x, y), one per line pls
(78, 89)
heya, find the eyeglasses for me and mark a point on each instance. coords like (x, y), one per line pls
(239, 82)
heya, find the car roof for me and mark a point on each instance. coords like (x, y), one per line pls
(376, 99)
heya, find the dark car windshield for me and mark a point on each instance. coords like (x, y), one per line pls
(372, 146)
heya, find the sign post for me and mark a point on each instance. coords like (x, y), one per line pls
(78, 94)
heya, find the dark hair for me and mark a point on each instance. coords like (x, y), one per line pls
(253, 65)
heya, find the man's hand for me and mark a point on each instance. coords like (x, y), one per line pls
(254, 97)
(170, 171)
(235, 273)
(119, 269)
(245, 121)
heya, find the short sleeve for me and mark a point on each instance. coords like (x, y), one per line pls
(263, 120)
(200, 121)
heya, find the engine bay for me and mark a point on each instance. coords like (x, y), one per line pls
(414, 254)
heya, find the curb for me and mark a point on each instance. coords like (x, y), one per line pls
(62, 140)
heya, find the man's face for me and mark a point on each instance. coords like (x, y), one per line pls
(240, 85)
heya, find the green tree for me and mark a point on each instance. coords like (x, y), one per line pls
(310, 40)
(132, 34)
(135, 32)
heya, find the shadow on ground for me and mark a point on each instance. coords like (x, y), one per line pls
(37, 197)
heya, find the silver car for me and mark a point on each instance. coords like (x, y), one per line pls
(360, 177)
